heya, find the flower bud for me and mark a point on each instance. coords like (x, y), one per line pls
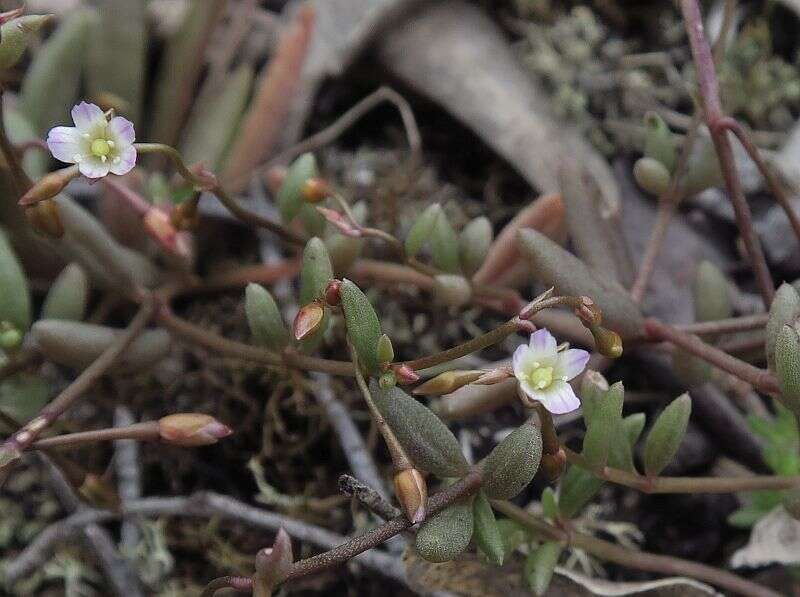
(340, 222)
(45, 219)
(387, 381)
(191, 429)
(451, 290)
(315, 190)
(332, 296)
(49, 186)
(405, 374)
(607, 342)
(447, 382)
(385, 349)
(158, 225)
(553, 465)
(273, 564)
(589, 313)
(10, 336)
(412, 493)
(651, 175)
(308, 320)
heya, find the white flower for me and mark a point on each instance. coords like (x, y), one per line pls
(543, 372)
(98, 146)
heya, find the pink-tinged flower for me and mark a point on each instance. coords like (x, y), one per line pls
(543, 372)
(98, 146)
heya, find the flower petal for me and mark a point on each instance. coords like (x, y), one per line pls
(559, 398)
(64, 143)
(86, 115)
(543, 344)
(522, 360)
(127, 160)
(530, 391)
(571, 363)
(122, 131)
(93, 167)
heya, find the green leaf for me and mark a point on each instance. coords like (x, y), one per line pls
(446, 535)
(362, 323)
(317, 271)
(290, 195)
(15, 296)
(666, 435)
(659, 142)
(264, 318)
(549, 503)
(691, 371)
(785, 309)
(215, 118)
(22, 397)
(703, 170)
(578, 487)
(711, 293)
(117, 53)
(540, 565)
(427, 441)
(51, 83)
(634, 425)
(513, 535)
(444, 245)
(593, 389)
(787, 367)
(487, 533)
(513, 463)
(553, 266)
(598, 436)
(20, 131)
(422, 229)
(16, 34)
(68, 296)
(474, 243)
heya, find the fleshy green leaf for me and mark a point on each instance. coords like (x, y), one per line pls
(549, 503)
(264, 318)
(593, 389)
(540, 565)
(20, 131)
(422, 229)
(513, 535)
(446, 535)
(578, 487)
(659, 142)
(444, 245)
(554, 266)
(487, 534)
(785, 309)
(513, 463)
(598, 436)
(666, 435)
(474, 242)
(317, 271)
(711, 293)
(428, 442)
(787, 367)
(15, 297)
(290, 196)
(16, 34)
(22, 397)
(362, 323)
(68, 296)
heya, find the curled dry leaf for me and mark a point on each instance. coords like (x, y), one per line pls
(775, 539)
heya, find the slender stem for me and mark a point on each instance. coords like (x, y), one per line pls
(725, 326)
(638, 560)
(761, 379)
(241, 584)
(211, 184)
(685, 484)
(712, 107)
(23, 438)
(367, 496)
(143, 432)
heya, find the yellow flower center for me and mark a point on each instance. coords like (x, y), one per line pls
(101, 147)
(541, 377)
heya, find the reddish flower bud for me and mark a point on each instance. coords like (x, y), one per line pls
(412, 493)
(332, 297)
(158, 224)
(405, 374)
(308, 320)
(49, 185)
(341, 223)
(273, 564)
(316, 189)
(45, 219)
(192, 429)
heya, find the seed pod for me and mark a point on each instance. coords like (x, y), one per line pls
(487, 534)
(68, 296)
(791, 501)
(447, 382)
(428, 442)
(412, 493)
(651, 175)
(422, 229)
(387, 380)
(787, 367)
(607, 342)
(474, 243)
(554, 266)
(77, 345)
(666, 435)
(451, 290)
(363, 327)
(711, 294)
(15, 36)
(513, 463)
(15, 297)
(446, 536)
(540, 565)
(273, 564)
(264, 318)
(578, 487)
(385, 349)
(290, 196)
(785, 309)
(659, 142)
(444, 245)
